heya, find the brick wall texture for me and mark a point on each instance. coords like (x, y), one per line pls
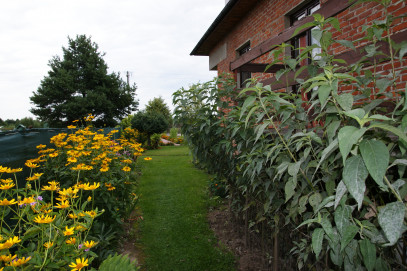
(268, 18)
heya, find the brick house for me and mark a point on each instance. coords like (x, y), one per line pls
(240, 39)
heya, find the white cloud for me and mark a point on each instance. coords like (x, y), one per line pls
(151, 39)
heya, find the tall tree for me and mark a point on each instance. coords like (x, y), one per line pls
(159, 106)
(79, 84)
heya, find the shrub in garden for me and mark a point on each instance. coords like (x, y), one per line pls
(173, 132)
(149, 123)
(83, 181)
(155, 141)
(335, 190)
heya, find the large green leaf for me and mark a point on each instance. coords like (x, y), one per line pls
(327, 226)
(354, 176)
(348, 234)
(376, 157)
(289, 189)
(368, 251)
(345, 101)
(247, 103)
(317, 238)
(323, 94)
(340, 191)
(342, 217)
(349, 136)
(325, 153)
(390, 128)
(391, 219)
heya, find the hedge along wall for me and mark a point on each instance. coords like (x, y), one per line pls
(330, 197)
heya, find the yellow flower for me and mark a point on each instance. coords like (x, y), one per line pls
(48, 244)
(32, 178)
(126, 168)
(82, 166)
(148, 158)
(18, 262)
(7, 258)
(52, 155)
(111, 188)
(72, 216)
(53, 186)
(80, 228)
(41, 219)
(71, 126)
(91, 187)
(104, 168)
(90, 244)
(31, 165)
(63, 205)
(38, 174)
(41, 146)
(68, 231)
(61, 198)
(6, 186)
(10, 242)
(6, 180)
(69, 192)
(91, 213)
(89, 198)
(127, 161)
(27, 201)
(71, 241)
(7, 202)
(80, 186)
(72, 159)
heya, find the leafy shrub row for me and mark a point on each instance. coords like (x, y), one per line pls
(323, 179)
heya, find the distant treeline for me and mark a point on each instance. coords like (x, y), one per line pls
(28, 122)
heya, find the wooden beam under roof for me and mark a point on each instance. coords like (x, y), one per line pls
(329, 9)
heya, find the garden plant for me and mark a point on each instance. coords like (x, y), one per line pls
(322, 181)
(66, 214)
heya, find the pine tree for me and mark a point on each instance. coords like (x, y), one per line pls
(79, 84)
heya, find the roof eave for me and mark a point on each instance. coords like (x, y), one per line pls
(198, 51)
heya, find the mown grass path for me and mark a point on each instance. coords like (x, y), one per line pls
(174, 233)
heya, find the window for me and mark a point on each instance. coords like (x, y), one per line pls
(304, 39)
(243, 76)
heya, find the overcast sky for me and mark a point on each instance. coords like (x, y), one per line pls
(150, 39)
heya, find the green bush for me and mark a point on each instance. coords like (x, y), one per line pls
(155, 141)
(173, 132)
(328, 175)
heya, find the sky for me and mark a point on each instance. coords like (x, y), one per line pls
(152, 40)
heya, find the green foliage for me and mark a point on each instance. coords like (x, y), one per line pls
(159, 106)
(149, 123)
(155, 141)
(217, 188)
(79, 84)
(118, 262)
(126, 122)
(28, 122)
(173, 132)
(327, 175)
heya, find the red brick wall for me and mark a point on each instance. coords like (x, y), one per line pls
(266, 20)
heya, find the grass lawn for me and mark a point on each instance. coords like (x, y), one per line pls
(174, 233)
